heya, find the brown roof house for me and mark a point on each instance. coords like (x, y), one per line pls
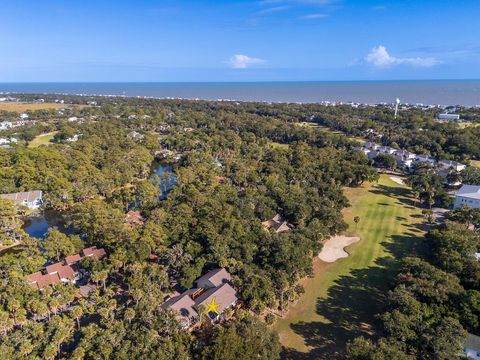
(277, 224)
(213, 296)
(31, 199)
(66, 270)
(134, 218)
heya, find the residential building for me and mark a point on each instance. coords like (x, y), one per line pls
(4, 125)
(426, 159)
(277, 224)
(224, 295)
(8, 141)
(404, 158)
(213, 278)
(451, 165)
(31, 199)
(472, 347)
(213, 288)
(66, 270)
(386, 150)
(448, 117)
(134, 218)
(93, 251)
(468, 195)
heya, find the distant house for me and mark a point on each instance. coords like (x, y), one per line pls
(73, 138)
(386, 150)
(23, 116)
(8, 141)
(468, 195)
(472, 347)
(426, 159)
(404, 158)
(448, 117)
(213, 287)
(277, 224)
(4, 125)
(31, 199)
(450, 165)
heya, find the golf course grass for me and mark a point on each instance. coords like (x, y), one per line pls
(342, 298)
(42, 139)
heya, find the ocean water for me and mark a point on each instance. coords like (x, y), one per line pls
(432, 92)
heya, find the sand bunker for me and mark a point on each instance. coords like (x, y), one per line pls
(397, 180)
(333, 248)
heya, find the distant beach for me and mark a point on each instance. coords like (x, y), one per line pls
(427, 92)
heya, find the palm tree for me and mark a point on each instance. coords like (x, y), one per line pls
(129, 315)
(77, 313)
(356, 219)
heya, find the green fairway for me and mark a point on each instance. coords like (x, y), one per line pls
(342, 298)
(42, 139)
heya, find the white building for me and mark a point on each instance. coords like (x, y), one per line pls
(472, 347)
(30, 199)
(404, 158)
(451, 165)
(4, 125)
(448, 117)
(8, 141)
(468, 195)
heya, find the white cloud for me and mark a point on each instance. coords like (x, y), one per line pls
(240, 61)
(273, 9)
(313, 16)
(380, 57)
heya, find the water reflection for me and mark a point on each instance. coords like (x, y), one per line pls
(167, 179)
(38, 225)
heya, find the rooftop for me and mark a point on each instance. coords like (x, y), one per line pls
(216, 277)
(469, 191)
(224, 295)
(28, 196)
(473, 342)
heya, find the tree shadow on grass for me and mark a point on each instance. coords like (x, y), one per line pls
(348, 311)
(402, 195)
(352, 303)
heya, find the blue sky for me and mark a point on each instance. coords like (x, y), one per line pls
(244, 40)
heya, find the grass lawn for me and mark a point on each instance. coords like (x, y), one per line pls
(24, 106)
(475, 163)
(42, 139)
(463, 125)
(337, 132)
(276, 145)
(342, 298)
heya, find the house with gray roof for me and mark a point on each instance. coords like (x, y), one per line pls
(468, 195)
(31, 199)
(213, 278)
(213, 287)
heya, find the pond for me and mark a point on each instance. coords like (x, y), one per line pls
(167, 179)
(38, 225)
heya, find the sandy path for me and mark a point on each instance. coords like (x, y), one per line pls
(333, 248)
(397, 180)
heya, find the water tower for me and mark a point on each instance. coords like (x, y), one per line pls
(397, 102)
